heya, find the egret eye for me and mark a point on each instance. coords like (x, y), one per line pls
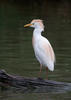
(32, 23)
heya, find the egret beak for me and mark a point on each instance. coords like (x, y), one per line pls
(27, 25)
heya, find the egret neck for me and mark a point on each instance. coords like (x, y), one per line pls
(36, 36)
(37, 31)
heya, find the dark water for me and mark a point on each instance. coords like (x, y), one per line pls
(16, 52)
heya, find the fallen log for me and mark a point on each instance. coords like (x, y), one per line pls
(19, 81)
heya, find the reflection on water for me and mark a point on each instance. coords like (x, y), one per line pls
(17, 94)
(16, 52)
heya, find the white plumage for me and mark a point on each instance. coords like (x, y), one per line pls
(42, 47)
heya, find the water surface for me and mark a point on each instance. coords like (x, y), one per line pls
(16, 52)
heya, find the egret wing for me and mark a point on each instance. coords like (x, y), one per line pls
(47, 53)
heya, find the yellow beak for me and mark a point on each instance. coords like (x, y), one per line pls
(27, 25)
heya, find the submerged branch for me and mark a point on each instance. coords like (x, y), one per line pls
(19, 81)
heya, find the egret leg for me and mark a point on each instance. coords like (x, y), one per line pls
(40, 70)
(47, 72)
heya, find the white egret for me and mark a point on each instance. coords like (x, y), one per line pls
(42, 47)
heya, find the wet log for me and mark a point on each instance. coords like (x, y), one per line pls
(19, 81)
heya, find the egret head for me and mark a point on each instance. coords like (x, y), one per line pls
(36, 23)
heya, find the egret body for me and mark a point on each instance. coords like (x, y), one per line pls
(42, 47)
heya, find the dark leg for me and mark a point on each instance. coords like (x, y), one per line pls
(47, 72)
(40, 70)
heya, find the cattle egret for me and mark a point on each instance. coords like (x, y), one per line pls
(42, 47)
